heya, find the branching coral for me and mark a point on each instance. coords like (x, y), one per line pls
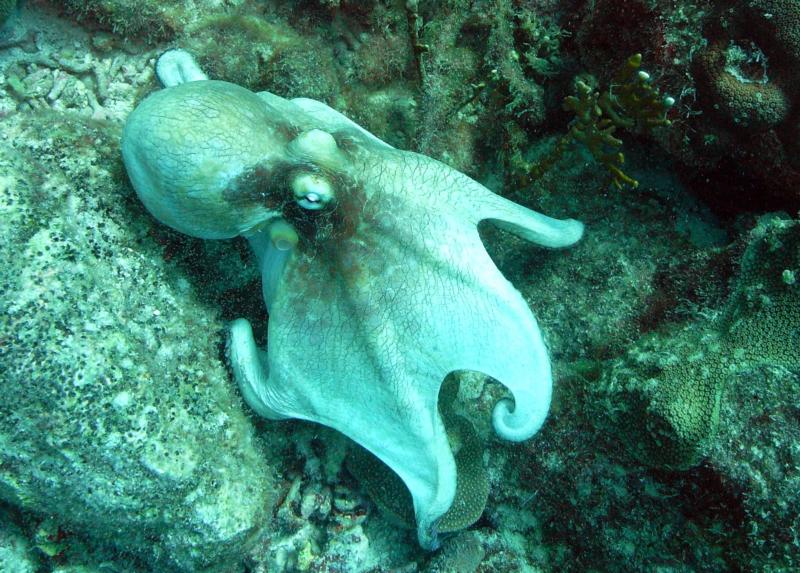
(630, 102)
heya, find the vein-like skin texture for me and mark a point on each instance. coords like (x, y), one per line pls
(375, 278)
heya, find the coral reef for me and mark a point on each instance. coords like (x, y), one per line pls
(610, 30)
(737, 82)
(153, 20)
(762, 319)
(658, 278)
(462, 553)
(758, 440)
(778, 23)
(264, 53)
(747, 89)
(65, 69)
(674, 381)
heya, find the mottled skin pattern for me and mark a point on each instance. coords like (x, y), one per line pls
(386, 290)
(184, 163)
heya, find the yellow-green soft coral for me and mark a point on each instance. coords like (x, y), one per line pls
(678, 408)
(630, 102)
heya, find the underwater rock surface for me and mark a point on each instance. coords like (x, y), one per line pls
(116, 416)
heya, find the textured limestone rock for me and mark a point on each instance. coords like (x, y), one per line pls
(116, 415)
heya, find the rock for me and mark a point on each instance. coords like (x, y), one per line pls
(15, 552)
(117, 417)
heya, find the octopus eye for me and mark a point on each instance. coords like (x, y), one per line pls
(312, 191)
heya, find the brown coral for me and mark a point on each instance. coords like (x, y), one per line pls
(747, 85)
(738, 87)
(777, 22)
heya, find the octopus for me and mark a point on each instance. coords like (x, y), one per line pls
(375, 278)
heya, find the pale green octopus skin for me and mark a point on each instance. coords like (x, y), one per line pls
(375, 277)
